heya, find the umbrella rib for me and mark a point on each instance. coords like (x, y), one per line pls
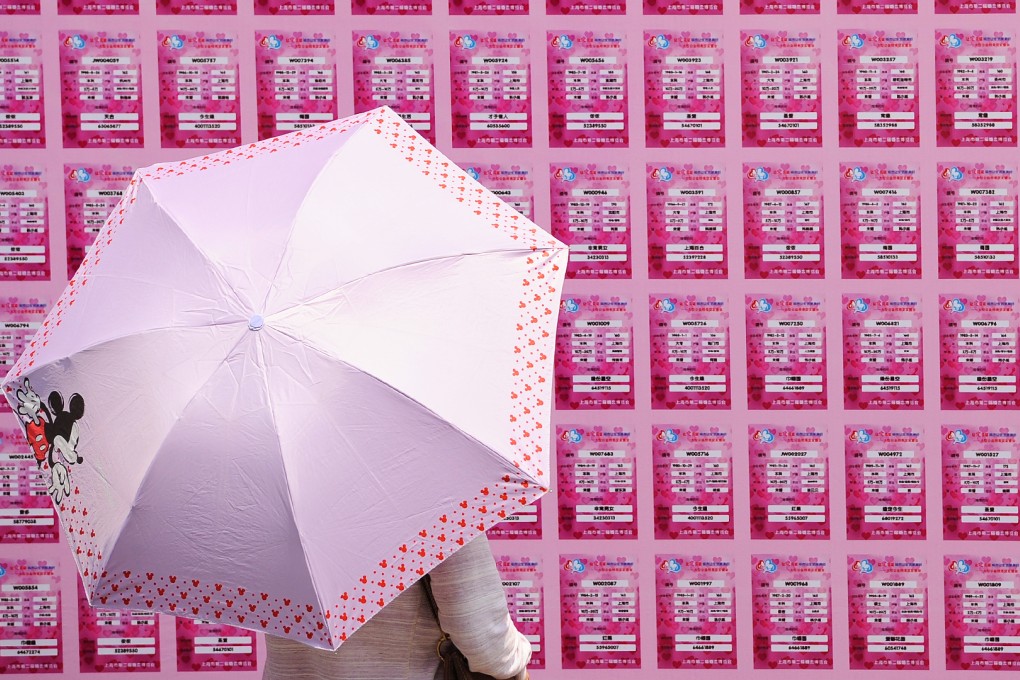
(168, 215)
(488, 449)
(105, 341)
(437, 258)
(395, 267)
(293, 223)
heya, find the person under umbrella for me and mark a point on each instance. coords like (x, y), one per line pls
(290, 379)
(399, 643)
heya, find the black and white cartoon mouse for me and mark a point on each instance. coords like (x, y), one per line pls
(62, 434)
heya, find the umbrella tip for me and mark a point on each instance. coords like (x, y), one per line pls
(256, 322)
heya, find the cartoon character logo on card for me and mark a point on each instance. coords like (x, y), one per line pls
(80, 175)
(173, 42)
(957, 436)
(368, 42)
(757, 41)
(662, 174)
(562, 42)
(860, 436)
(672, 565)
(668, 435)
(857, 306)
(664, 305)
(566, 174)
(955, 305)
(959, 566)
(854, 41)
(575, 566)
(659, 42)
(864, 566)
(856, 174)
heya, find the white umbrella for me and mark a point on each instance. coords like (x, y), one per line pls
(292, 377)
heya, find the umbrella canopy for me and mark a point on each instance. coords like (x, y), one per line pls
(292, 377)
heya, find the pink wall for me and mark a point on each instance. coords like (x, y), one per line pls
(662, 169)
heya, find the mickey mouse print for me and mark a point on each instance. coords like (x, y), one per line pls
(52, 432)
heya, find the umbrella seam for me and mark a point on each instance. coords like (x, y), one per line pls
(297, 212)
(165, 214)
(99, 343)
(286, 476)
(488, 449)
(212, 264)
(427, 260)
(145, 475)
